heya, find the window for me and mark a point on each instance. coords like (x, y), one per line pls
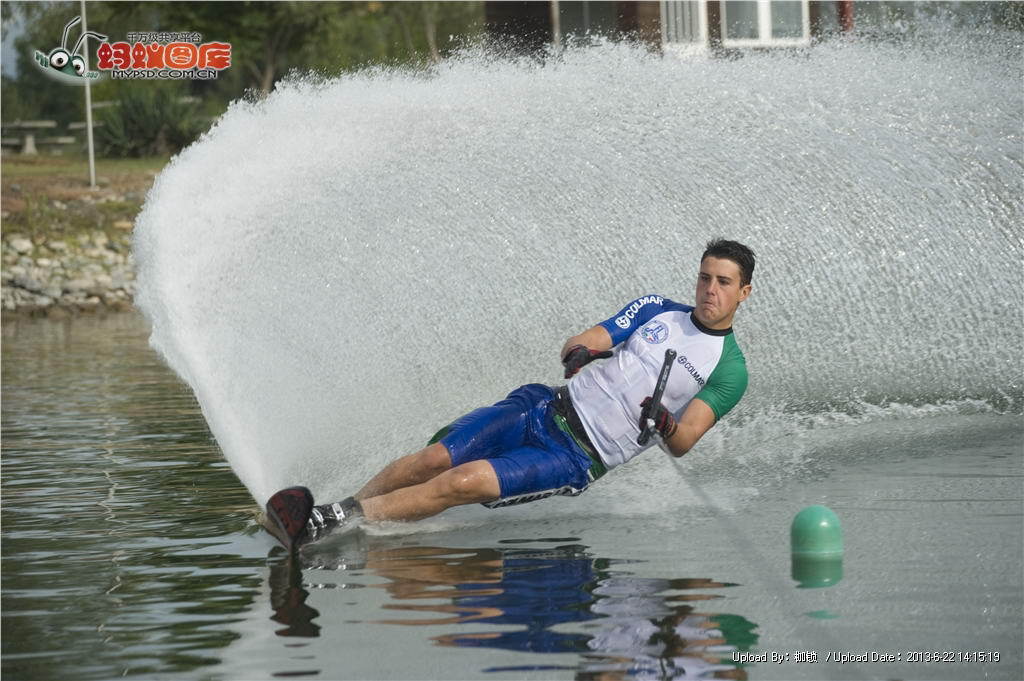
(582, 18)
(765, 23)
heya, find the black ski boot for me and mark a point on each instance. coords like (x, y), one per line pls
(326, 518)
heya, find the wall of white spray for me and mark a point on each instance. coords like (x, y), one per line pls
(342, 268)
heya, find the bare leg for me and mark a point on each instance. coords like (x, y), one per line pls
(411, 469)
(471, 483)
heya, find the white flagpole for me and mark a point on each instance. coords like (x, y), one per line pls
(88, 106)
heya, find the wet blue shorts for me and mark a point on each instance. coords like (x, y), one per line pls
(533, 458)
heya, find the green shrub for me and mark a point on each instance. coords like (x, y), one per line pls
(148, 121)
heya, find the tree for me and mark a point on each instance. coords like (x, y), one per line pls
(269, 39)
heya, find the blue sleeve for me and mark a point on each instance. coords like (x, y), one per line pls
(637, 313)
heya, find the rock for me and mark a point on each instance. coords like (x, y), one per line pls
(28, 283)
(77, 286)
(57, 312)
(16, 187)
(21, 245)
(101, 285)
(89, 271)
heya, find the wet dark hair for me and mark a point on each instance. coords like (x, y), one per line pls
(735, 251)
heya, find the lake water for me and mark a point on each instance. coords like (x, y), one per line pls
(130, 549)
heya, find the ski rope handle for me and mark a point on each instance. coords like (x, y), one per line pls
(646, 422)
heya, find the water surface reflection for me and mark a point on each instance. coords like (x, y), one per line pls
(552, 596)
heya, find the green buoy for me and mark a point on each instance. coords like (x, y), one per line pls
(816, 531)
(816, 543)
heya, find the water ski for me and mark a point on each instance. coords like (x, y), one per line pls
(287, 515)
(294, 520)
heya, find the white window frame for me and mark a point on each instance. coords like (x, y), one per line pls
(672, 12)
(764, 28)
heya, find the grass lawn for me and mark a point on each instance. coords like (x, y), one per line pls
(71, 168)
(49, 196)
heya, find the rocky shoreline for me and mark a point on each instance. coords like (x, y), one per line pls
(85, 273)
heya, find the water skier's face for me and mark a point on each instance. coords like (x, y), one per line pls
(719, 292)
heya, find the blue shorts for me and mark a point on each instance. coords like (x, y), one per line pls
(533, 458)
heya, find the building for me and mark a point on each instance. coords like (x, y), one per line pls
(669, 24)
(719, 26)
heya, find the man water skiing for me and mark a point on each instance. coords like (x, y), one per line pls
(541, 441)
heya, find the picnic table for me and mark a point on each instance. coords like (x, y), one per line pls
(27, 130)
(22, 135)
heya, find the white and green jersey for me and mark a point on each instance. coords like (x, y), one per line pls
(607, 395)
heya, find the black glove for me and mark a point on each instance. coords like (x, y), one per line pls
(664, 422)
(578, 356)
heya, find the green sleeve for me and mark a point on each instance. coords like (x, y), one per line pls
(727, 381)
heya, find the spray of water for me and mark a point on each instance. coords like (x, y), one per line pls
(345, 266)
